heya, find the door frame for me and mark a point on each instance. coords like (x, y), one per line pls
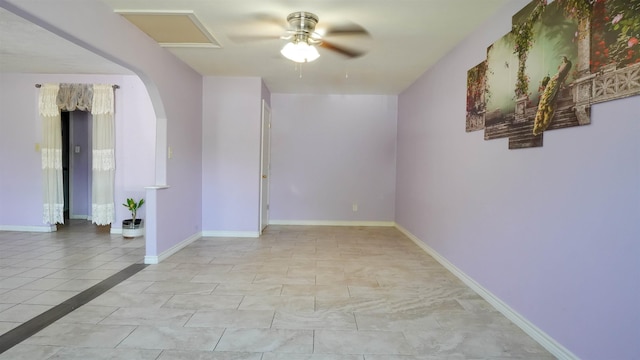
(265, 156)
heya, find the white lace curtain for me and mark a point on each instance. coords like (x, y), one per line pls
(102, 206)
(73, 97)
(99, 100)
(51, 151)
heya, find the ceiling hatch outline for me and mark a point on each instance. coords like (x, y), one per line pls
(172, 28)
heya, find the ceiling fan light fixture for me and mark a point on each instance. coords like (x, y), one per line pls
(300, 52)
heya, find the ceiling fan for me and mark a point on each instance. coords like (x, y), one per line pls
(303, 38)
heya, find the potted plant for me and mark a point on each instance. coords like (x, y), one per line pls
(133, 227)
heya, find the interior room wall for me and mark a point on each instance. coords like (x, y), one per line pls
(266, 93)
(175, 90)
(179, 207)
(20, 178)
(137, 138)
(22, 129)
(231, 134)
(80, 164)
(331, 154)
(552, 231)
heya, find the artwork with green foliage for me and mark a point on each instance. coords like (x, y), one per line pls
(476, 96)
(559, 59)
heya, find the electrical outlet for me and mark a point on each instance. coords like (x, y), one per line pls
(170, 152)
(37, 147)
(354, 207)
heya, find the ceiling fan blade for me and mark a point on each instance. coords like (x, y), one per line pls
(352, 53)
(271, 18)
(346, 29)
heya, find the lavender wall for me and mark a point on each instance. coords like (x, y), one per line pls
(266, 95)
(80, 169)
(552, 231)
(329, 151)
(22, 129)
(231, 154)
(135, 137)
(175, 91)
(20, 177)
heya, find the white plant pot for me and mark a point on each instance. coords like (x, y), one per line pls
(130, 231)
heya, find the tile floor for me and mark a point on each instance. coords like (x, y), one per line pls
(296, 293)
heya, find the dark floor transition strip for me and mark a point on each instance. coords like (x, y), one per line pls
(29, 328)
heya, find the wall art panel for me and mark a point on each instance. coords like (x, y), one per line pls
(558, 60)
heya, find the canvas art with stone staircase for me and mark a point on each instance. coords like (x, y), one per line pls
(559, 59)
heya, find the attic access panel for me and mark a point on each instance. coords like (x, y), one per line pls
(172, 28)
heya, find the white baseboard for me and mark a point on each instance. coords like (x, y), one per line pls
(238, 234)
(44, 228)
(332, 223)
(80, 217)
(555, 348)
(156, 259)
(115, 230)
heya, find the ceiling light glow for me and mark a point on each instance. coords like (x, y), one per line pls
(300, 52)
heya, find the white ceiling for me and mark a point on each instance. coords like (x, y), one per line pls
(27, 48)
(407, 37)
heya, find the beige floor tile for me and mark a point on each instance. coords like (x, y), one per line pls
(361, 342)
(43, 284)
(174, 287)
(114, 265)
(248, 289)
(195, 302)
(33, 263)
(22, 312)
(148, 316)
(296, 293)
(51, 297)
(30, 352)
(81, 335)
(290, 303)
(424, 357)
(88, 314)
(395, 321)
(131, 286)
(5, 306)
(162, 337)
(98, 274)
(266, 278)
(315, 290)
(15, 282)
(352, 304)
(38, 272)
(225, 278)
(255, 319)
(326, 320)
(164, 275)
(112, 298)
(267, 340)
(11, 267)
(476, 344)
(66, 273)
(182, 257)
(208, 355)
(285, 356)
(76, 285)
(204, 269)
(105, 354)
